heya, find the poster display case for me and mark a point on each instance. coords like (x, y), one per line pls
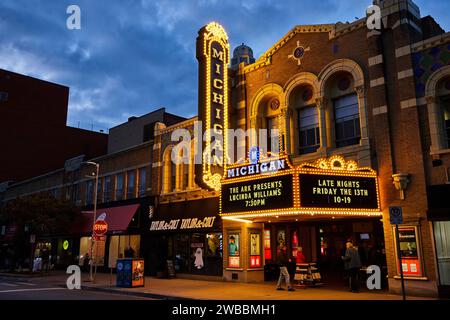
(130, 273)
(255, 250)
(411, 260)
(233, 243)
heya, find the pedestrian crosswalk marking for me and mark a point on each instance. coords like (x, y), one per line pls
(8, 284)
(26, 283)
(38, 289)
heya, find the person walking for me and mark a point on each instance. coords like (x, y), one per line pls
(45, 260)
(283, 263)
(352, 264)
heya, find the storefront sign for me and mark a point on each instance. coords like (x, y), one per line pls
(335, 191)
(326, 186)
(182, 224)
(65, 244)
(213, 51)
(257, 168)
(99, 238)
(266, 193)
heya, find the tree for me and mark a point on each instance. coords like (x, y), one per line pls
(39, 214)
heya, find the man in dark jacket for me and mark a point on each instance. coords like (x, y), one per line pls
(283, 263)
(352, 263)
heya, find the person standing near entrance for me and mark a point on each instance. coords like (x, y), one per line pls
(352, 263)
(300, 258)
(283, 263)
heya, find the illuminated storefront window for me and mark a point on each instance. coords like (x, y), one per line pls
(98, 251)
(267, 247)
(119, 248)
(233, 250)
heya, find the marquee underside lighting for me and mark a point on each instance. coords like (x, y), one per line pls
(249, 215)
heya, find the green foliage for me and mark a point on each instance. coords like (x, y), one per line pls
(40, 214)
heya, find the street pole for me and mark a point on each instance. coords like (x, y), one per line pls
(93, 222)
(399, 255)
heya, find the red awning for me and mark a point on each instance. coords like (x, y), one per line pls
(118, 218)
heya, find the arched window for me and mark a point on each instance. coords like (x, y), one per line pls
(301, 100)
(182, 175)
(443, 92)
(173, 176)
(437, 94)
(346, 110)
(271, 124)
(168, 172)
(346, 117)
(342, 105)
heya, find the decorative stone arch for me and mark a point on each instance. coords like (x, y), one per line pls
(345, 65)
(434, 112)
(265, 93)
(300, 79)
(323, 102)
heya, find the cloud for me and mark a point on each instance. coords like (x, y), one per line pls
(25, 62)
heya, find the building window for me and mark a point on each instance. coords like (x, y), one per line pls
(446, 118)
(99, 191)
(308, 123)
(119, 186)
(168, 171)
(89, 192)
(271, 124)
(142, 182)
(119, 245)
(76, 193)
(107, 190)
(173, 176)
(347, 126)
(131, 182)
(185, 176)
(57, 193)
(3, 96)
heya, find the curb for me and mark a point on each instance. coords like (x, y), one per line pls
(134, 293)
(19, 275)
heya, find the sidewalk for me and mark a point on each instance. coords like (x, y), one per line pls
(215, 290)
(211, 290)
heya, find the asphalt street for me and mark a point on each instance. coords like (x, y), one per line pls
(32, 289)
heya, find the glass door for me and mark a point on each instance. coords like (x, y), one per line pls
(442, 238)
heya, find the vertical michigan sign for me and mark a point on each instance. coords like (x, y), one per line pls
(213, 54)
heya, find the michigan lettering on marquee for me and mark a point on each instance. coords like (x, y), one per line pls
(213, 53)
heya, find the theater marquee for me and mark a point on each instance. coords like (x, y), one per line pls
(213, 54)
(329, 186)
(265, 193)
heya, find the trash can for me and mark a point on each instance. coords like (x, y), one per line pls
(130, 273)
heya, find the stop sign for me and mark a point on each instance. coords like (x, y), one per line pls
(100, 227)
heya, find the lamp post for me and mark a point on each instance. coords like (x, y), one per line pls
(95, 217)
